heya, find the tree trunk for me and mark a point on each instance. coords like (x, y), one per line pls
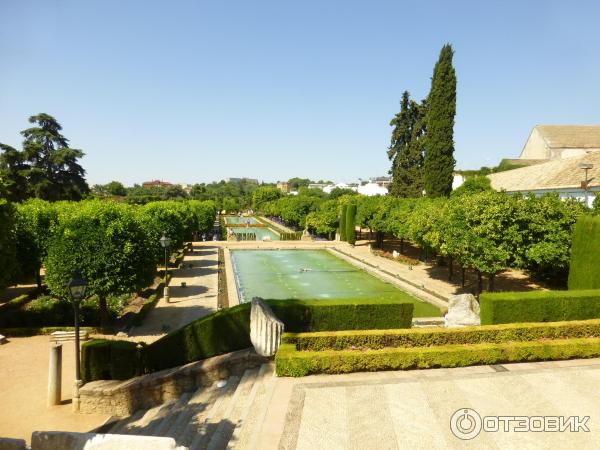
(462, 282)
(491, 279)
(450, 268)
(103, 311)
(479, 283)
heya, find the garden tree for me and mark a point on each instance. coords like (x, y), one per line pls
(295, 208)
(8, 250)
(343, 219)
(35, 222)
(351, 224)
(439, 141)
(231, 205)
(107, 243)
(206, 213)
(265, 194)
(339, 192)
(174, 191)
(596, 204)
(406, 149)
(310, 192)
(161, 217)
(46, 164)
(115, 188)
(398, 217)
(421, 224)
(296, 183)
(324, 221)
(546, 225)
(473, 185)
(13, 174)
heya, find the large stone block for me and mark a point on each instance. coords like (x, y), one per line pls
(265, 328)
(66, 440)
(12, 444)
(463, 311)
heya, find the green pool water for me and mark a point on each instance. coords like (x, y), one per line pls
(240, 220)
(312, 274)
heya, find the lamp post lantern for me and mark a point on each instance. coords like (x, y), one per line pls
(76, 286)
(584, 184)
(165, 241)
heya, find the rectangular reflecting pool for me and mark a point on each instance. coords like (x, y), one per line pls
(312, 274)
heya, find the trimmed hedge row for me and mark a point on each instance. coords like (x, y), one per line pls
(293, 363)
(539, 306)
(109, 360)
(37, 331)
(584, 271)
(426, 337)
(229, 330)
(14, 304)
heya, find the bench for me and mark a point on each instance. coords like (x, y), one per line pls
(63, 336)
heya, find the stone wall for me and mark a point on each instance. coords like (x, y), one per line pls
(122, 398)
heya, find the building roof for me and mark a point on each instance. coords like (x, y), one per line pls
(570, 136)
(554, 174)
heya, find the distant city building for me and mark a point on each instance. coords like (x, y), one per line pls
(381, 181)
(318, 185)
(283, 186)
(559, 157)
(372, 188)
(239, 180)
(154, 183)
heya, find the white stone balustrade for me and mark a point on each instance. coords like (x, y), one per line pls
(265, 328)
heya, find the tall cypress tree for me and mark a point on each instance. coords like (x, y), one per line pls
(406, 150)
(439, 140)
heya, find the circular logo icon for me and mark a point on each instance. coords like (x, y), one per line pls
(465, 424)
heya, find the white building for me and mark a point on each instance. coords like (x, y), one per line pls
(547, 142)
(371, 188)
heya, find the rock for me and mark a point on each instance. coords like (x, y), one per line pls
(395, 254)
(12, 444)
(463, 311)
(66, 440)
(3, 340)
(265, 328)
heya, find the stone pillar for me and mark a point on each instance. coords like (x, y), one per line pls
(166, 294)
(55, 374)
(265, 328)
(76, 385)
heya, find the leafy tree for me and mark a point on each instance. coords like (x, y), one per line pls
(324, 220)
(473, 185)
(8, 250)
(596, 204)
(343, 219)
(107, 243)
(265, 194)
(231, 204)
(296, 183)
(46, 168)
(439, 141)
(115, 188)
(339, 192)
(36, 221)
(406, 149)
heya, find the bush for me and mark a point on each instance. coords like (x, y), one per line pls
(109, 360)
(343, 223)
(539, 306)
(14, 304)
(8, 250)
(37, 331)
(584, 272)
(351, 224)
(427, 337)
(290, 362)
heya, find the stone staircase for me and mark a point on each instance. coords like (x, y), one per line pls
(215, 417)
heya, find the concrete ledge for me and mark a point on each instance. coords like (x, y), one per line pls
(66, 440)
(12, 444)
(124, 397)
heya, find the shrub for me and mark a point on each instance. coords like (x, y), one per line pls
(539, 306)
(37, 331)
(350, 224)
(8, 250)
(427, 337)
(109, 360)
(584, 272)
(343, 222)
(14, 304)
(290, 362)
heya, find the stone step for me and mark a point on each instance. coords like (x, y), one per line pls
(218, 429)
(171, 416)
(119, 426)
(201, 425)
(144, 425)
(200, 402)
(245, 433)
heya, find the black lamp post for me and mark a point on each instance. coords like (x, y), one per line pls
(77, 286)
(165, 241)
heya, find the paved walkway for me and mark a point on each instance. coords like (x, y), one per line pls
(413, 409)
(186, 304)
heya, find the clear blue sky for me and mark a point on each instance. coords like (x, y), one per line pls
(192, 91)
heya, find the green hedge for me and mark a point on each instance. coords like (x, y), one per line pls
(290, 362)
(14, 304)
(109, 360)
(35, 331)
(342, 314)
(584, 271)
(343, 223)
(229, 329)
(427, 337)
(539, 306)
(351, 224)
